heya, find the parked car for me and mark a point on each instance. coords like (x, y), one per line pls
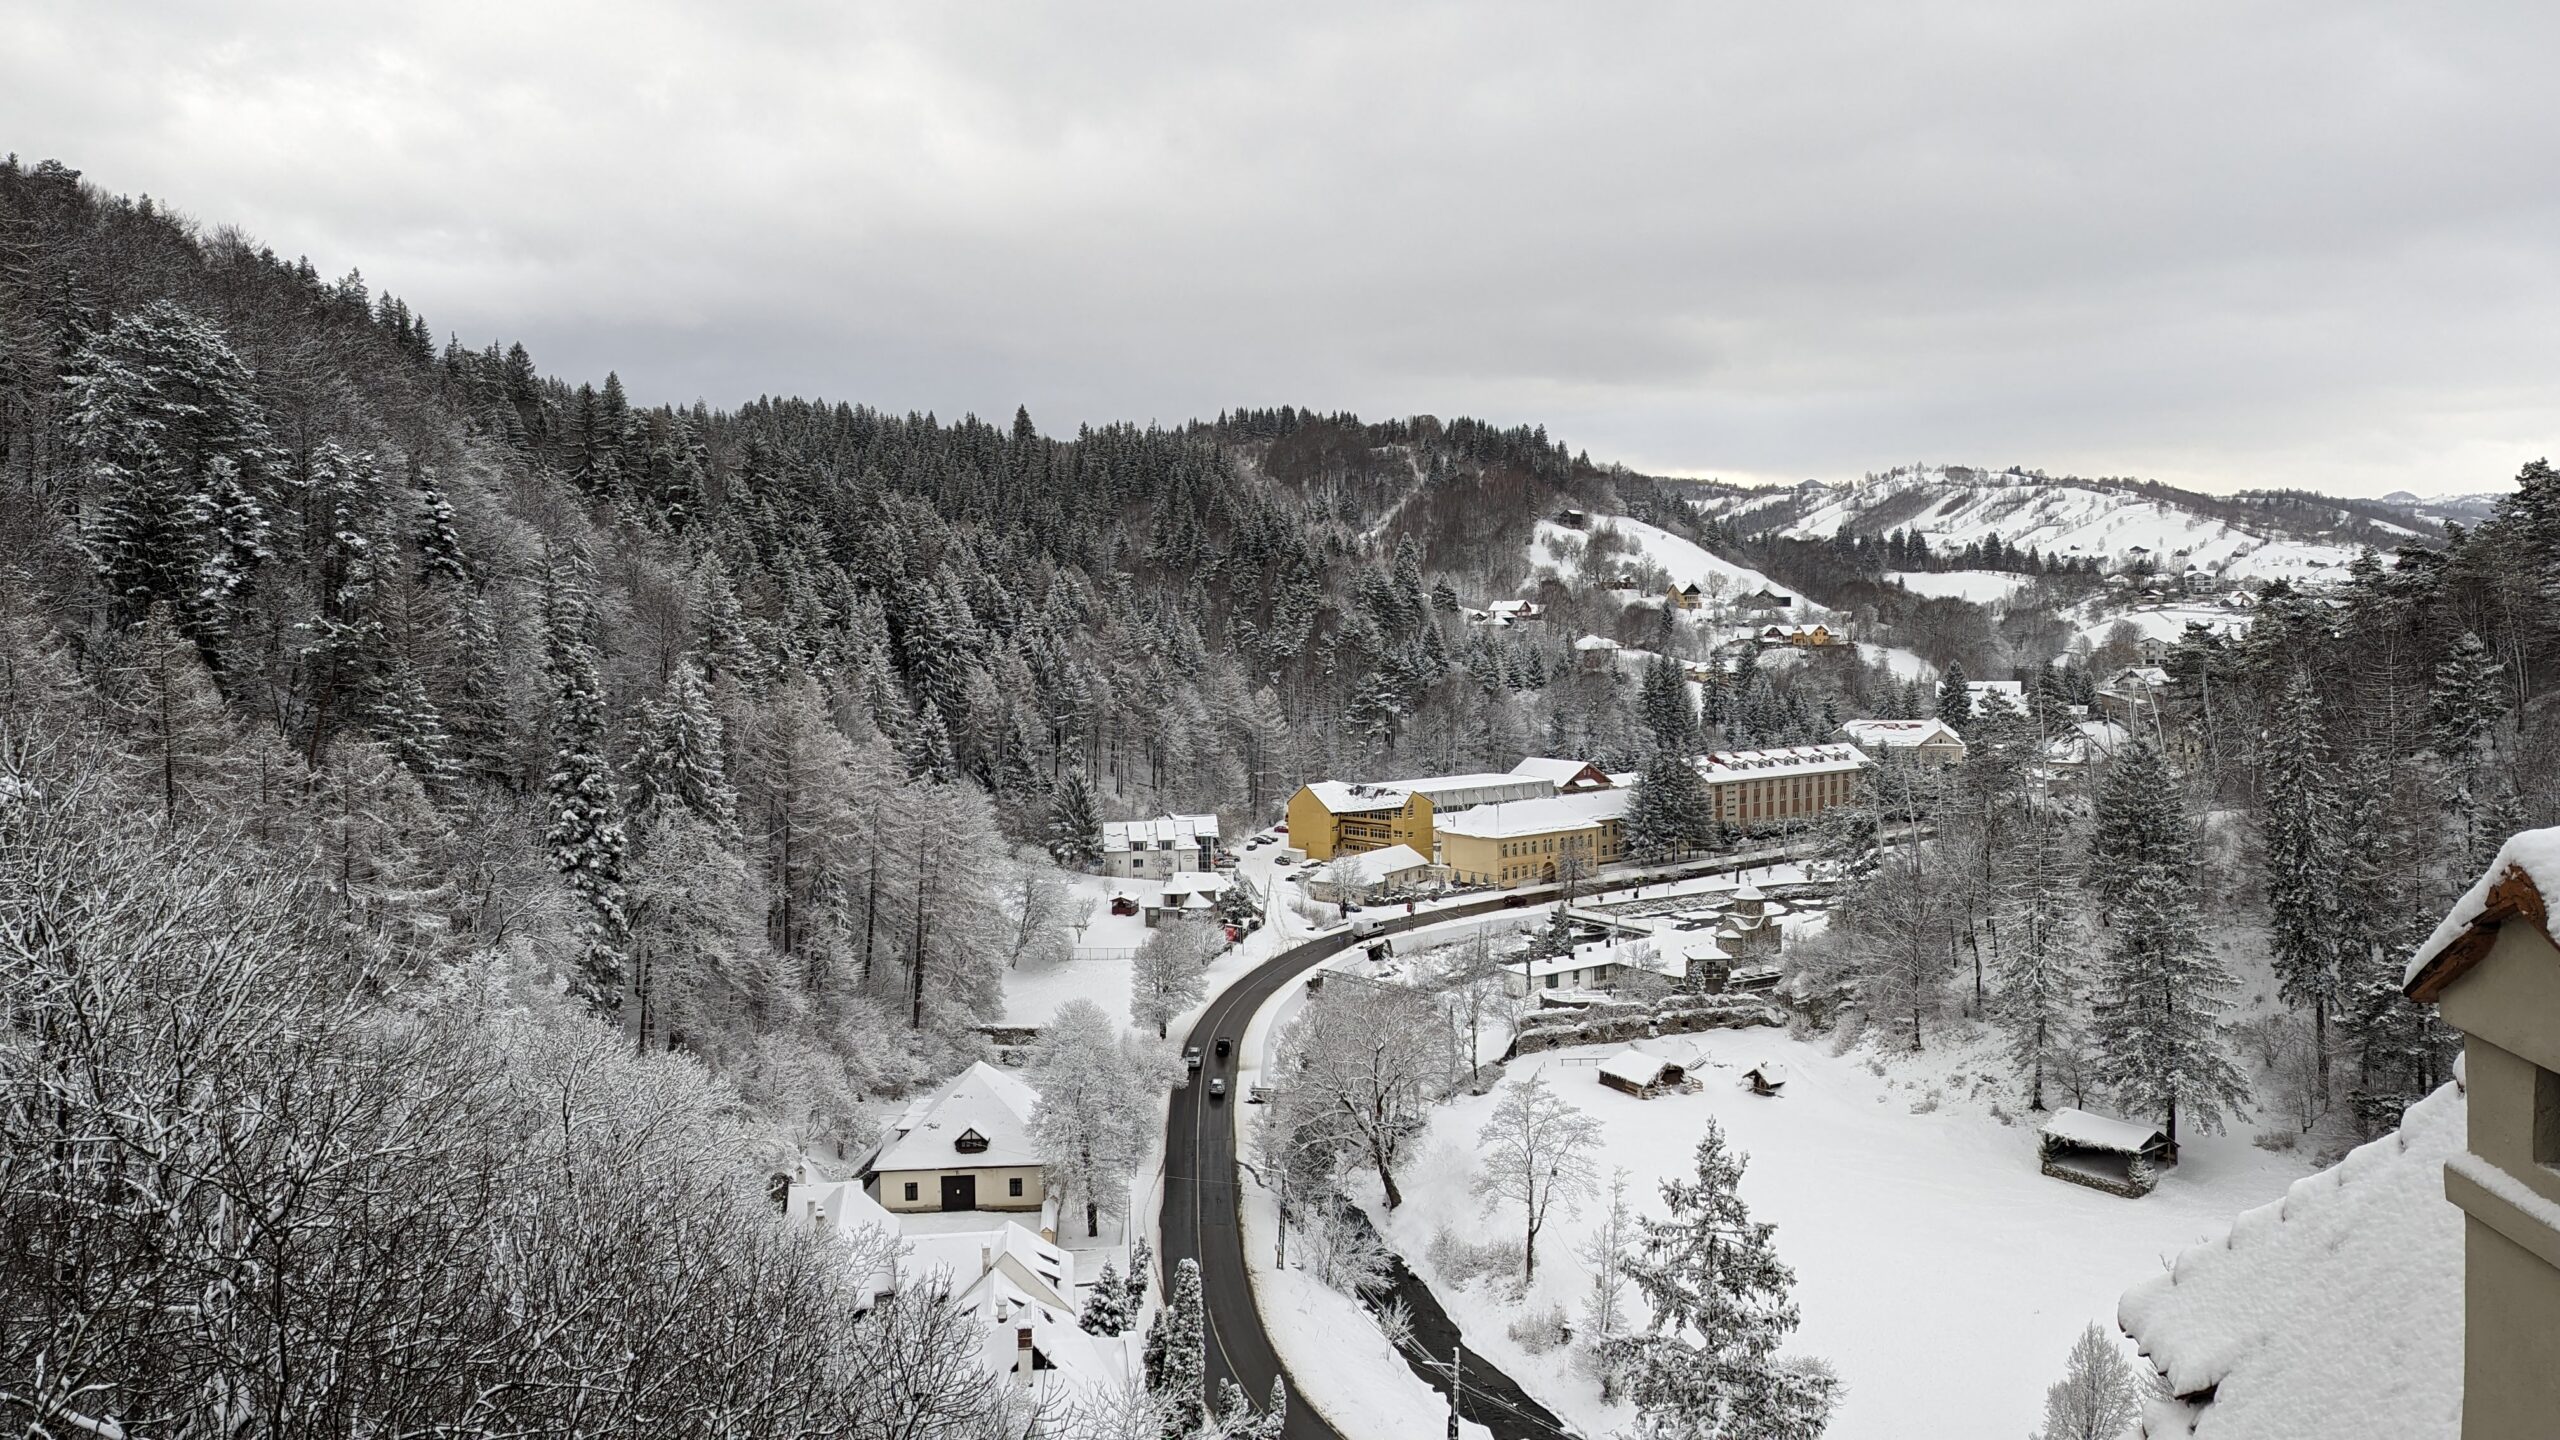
(1191, 1056)
(1514, 902)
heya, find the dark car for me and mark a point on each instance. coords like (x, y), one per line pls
(1514, 902)
(1191, 1056)
(1224, 1045)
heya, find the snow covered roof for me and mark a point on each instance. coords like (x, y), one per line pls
(1194, 884)
(1595, 643)
(1541, 816)
(1445, 792)
(1729, 765)
(1635, 1067)
(982, 1099)
(2102, 1132)
(1370, 867)
(2149, 677)
(843, 1207)
(1562, 773)
(1899, 734)
(1345, 797)
(2336, 1310)
(1162, 832)
(2513, 887)
(1046, 1269)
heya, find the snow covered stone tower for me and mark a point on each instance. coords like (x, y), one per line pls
(2493, 971)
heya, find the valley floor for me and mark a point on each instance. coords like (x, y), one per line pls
(1937, 1269)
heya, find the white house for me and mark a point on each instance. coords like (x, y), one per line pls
(1020, 1288)
(967, 1146)
(1193, 895)
(1931, 742)
(1153, 849)
(1370, 873)
(1568, 776)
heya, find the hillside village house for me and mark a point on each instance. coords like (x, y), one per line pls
(1154, 849)
(1926, 742)
(967, 1146)
(1991, 697)
(1019, 1288)
(1685, 597)
(2492, 969)
(1371, 874)
(1192, 895)
(1521, 842)
(1754, 789)
(1568, 776)
(1331, 817)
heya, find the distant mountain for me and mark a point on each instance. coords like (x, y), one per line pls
(2255, 535)
(2434, 510)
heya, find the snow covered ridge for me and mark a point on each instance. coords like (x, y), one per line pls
(2117, 523)
(2336, 1311)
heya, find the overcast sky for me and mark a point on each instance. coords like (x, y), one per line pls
(2223, 244)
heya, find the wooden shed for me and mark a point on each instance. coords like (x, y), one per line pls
(2104, 1153)
(1641, 1075)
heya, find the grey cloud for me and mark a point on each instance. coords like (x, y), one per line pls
(2225, 245)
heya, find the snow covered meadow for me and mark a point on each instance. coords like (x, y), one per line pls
(1937, 1270)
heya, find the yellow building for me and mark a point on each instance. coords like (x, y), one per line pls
(1525, 842)
(1754, 789)
(1333, 817)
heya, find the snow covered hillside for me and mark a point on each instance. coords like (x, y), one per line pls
(2115, 524)
(1684, 561)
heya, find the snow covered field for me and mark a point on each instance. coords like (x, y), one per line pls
(1941, 1274)
(1983, 587)
(2112, 524)
(1684, 561)
(2163, 622)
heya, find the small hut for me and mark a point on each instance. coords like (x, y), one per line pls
(1641, 1075)
(1766, 1078)
(2104, 1153)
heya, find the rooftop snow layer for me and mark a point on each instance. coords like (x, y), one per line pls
(2336, 1311)
(981, 1098)
(2101, 1132)
(1505, 819)
(2535, 852)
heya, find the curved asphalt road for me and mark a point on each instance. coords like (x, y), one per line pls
(1199, 1220)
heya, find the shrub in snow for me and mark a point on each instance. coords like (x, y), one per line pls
(1540, 1330)
(1462, 1262)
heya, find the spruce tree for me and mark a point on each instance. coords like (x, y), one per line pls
(683, 756)
(1707, 1365)
(1102, 1313)
(2464, 707)
(164, 419)
(588, 842)
(2158, 1021)
(1176, 1360)
(2302, 863)
(1955, 701)
(1074, 835)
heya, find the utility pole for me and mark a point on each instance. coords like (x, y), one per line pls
(1457, 1357)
